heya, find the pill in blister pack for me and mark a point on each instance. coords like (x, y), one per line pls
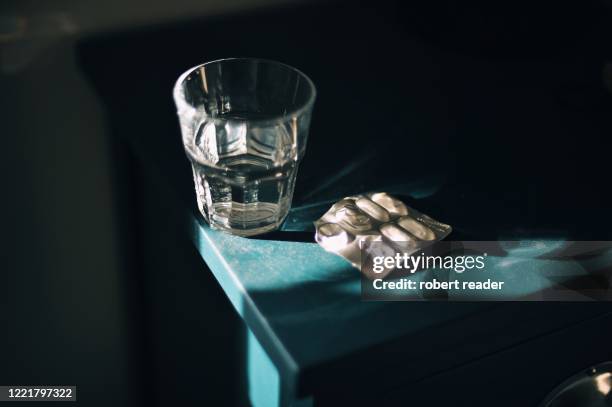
(374, 217)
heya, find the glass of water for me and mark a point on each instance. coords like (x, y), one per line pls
(244, 124)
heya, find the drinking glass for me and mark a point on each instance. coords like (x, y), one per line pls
(244, 124)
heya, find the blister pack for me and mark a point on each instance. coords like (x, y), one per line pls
(375, 217)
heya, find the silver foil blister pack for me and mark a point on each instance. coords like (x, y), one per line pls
(374, 217)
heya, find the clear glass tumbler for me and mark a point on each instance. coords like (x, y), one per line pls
(244, 124)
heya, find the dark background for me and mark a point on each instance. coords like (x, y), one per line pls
(505, 103)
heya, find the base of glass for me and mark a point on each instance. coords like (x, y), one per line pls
(247, 220)
(246, 232)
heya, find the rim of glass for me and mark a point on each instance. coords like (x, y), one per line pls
(179, 98)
